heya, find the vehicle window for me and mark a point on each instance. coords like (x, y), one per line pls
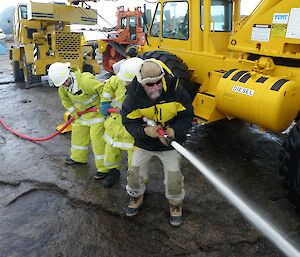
(221, 15)
(175, 20)
(140, 22)
(123, 23)
(248, 6)
(23, 9)
(132, 27)
(155, 23)
(132, 21)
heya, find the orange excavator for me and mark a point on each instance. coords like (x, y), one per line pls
(120, 42)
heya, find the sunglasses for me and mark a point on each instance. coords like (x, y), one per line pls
(153, 84)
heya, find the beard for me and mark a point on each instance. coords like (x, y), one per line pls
(154, 95)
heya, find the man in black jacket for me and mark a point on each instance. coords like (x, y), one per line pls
(156, 94)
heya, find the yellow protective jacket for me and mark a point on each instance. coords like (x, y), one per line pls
(88, 96)
(172, 109)
(115, 133)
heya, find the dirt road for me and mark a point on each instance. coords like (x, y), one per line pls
(50, 209)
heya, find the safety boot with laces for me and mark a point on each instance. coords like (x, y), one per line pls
(112, 178)
(134, 205)
(175, 215)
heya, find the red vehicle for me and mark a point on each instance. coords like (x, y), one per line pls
(129, 32)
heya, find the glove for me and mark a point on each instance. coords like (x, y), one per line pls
(151, 131)
(170, 132)
(163, 141)
(104, 108)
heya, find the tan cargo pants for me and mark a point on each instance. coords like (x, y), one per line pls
(173, 179)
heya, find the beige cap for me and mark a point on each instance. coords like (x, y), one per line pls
(151, 72)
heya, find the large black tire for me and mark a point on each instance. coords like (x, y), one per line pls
(29, 78)
(17, 72)
(289, 167)
(177, 66)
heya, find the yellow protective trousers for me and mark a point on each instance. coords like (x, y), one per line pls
(117, 139)
(82, 136)
(113, 157)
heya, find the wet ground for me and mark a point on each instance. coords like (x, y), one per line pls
(50, 209)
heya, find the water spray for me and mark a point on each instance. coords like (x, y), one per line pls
(257, 220)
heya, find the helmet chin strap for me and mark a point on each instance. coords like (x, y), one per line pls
(74, 86)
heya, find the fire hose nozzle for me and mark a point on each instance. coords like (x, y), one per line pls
(161, 132)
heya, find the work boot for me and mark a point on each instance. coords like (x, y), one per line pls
(69, 161)
(134, 205)
(175, 215)
(112, 178)
(100, 175)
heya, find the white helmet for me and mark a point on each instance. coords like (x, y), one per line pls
(116, 66)
(59, 72)
(130, 68)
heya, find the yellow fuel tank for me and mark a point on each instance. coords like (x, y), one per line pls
(270, 102)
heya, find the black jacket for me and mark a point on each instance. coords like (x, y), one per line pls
(172, 109)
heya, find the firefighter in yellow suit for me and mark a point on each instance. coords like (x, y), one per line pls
(79, 92)
(116, 136)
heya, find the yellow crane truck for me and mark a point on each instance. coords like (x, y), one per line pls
(42, 35)
(236, 67)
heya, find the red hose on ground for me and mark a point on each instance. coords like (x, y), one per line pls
(51, 136)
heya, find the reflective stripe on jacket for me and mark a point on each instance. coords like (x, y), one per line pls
(88, 95)
(115, 133)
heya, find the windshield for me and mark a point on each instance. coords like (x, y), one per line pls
(23, 11)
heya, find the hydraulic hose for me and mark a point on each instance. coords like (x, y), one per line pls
(51, 136)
